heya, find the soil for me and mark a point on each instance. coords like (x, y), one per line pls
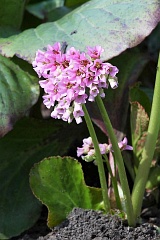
(93, 225)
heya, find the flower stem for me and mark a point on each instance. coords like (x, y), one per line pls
(148, 150)
(114, 182)
(98, 160)
(119, 161)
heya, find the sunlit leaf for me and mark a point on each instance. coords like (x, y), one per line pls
(115, 25)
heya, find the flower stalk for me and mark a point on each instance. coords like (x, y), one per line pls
(148, 150)
(98, 160)
(119, 161)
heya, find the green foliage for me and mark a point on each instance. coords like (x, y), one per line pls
(12, 9)
(154, 178)
(19, 91)
(140, 101)
(139, 126)
(142, 96)
(59, 184)
(29, 142)
(41, 9)
(95, 23)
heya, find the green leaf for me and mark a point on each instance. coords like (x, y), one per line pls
(42, 8)
(73, 3)
(59, 184)
(96, 198)
(115, 25)
(18, 92)
(30, 141)
(139, 125)
(7, 31)
(140, 111)
(153, 42)
(11, 13)
(154, 178)
(141, 95)
(149, 93)
(58, 13)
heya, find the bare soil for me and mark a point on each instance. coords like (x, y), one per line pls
(93, 225)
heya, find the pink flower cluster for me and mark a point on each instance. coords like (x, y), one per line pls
(87, 152)
(70, 79)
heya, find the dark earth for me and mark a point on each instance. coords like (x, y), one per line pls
(89, 224)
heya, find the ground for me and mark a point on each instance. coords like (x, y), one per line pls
(89, 224)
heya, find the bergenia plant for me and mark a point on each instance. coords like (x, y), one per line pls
(69, 80)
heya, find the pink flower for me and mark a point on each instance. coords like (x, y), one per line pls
(72, 53)
(104, 148)
(67, 88)
(90, 79)
(95, 52)
(93, 93)
(72, 78)
(87, 152)
(78, 112)
(111, 70)
(98, 67)
(87, 145)
(123, 145)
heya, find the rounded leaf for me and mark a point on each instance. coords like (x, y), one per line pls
(59, 183)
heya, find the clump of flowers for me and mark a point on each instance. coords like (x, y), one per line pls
(70, 79)
(87, 151)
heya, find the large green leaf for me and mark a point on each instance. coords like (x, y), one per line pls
(18, 92)
(59, 184)
(11, 12)
(30, 141)
(115, 25)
